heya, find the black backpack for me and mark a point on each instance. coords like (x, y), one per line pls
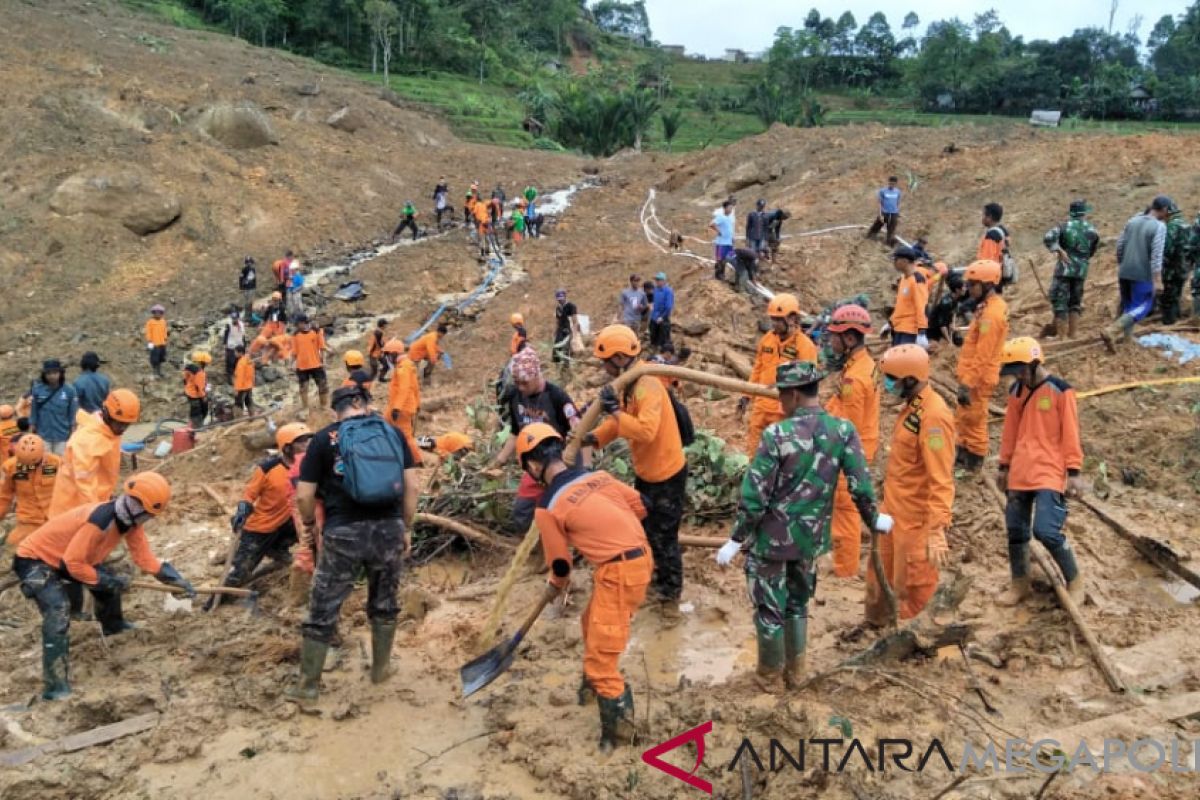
(683, 418)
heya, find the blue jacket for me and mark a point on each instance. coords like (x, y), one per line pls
(53, 411)
(91, 388)
(664, 302)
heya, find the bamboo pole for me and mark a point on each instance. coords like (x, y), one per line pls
(1121, 387)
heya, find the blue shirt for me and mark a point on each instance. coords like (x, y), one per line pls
(889, 200)
(664, 301)
(53, 411)
(91, 388)
(297, 282)
(724, 224)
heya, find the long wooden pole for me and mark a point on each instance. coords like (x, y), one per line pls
(1157, 552)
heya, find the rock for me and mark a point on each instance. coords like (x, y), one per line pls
(695, 327)
(345, 119)
(140, 203)
(748, 174)
(270, 374)
(242, 126)
(308, 90)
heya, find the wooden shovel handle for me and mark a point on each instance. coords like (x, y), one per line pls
(225, 590)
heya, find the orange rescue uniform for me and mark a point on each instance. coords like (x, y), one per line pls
(272, 328)
(520, 339)
(195, 384)
(601, 518)
(482, 217)
(8, 429)
(309, 347)
(243, 375)
(450, 443)
(647, 421)
(773, 350)
(1040, 442)
(855, 398)
(270, 492)
(979, 370)
(32, 487)
(156, 332)
(425, 349)
(912, 295)
(404, 399)
(990, 249)
(82, 538)
(90, 466)
(918, 493)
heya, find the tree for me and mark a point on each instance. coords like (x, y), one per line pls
(382, 16)
(640, 107)
(539, 103)
(911, 20)
(671, 121)
(876, 42)
(1161, 33)
(987, 22)
(626, 19)
(257, 15)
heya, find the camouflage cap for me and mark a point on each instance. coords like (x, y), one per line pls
(797, 373)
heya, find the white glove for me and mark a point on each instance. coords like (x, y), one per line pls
(922, 341)
(727, 552)
(149, 345)
(884, 523)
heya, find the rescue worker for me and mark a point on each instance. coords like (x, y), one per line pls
(469, 212)
(248, 285)
(263, 519)
(1041, 458)
(535, 400)
(994, 243)
(308, 346)
(92, 386)
(243, 382)
(282, 270)
(783, 518)
(408, 219)
(156, 338)
(661, 308)
(1140, 250)
(722, 226)
(644, 416)
(516, 222)
(92, 461)
(9, 428)
(53, 407)
(783, 343)
(70, 550)
(27, 485)
(520, 338)
(888, 214)
(441, 201)
(483, 223)
(854, 398)
(909, 323)
(354, 536)
(1174, 264)
(195, 388)
(233, 338)
(918, 487)
(356, 371)
(979, 363)
(775, 222)
(1073, 243)
(448, 444)
(426, 351)
(274, 317)
(1193, 258)
(566, 326)
(756, 228)
(600, 518)
(404, 394)
(376, 339)
(951, 303)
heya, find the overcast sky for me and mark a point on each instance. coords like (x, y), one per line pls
(710, 26)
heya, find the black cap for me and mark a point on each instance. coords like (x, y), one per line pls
(1163, 203)
(90, 360)
(51, 364)
(906, 253)
(301, 318)
(761, 203)
(345, 395)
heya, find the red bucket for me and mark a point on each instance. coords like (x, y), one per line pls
(182, 440)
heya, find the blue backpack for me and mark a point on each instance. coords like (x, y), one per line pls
(372, 456)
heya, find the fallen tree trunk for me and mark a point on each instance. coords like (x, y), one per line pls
(736, 362)
(714, 542)
(465, 531)
(1159, 553)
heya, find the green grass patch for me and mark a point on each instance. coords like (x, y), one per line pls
(688, 74)
(170, 12)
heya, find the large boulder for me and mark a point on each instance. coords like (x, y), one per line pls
(138, 202)
(345, 119)
(242, 126)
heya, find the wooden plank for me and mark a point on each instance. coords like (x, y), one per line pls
(81, 741)
(1129, 725)
(1154, 665)
(1158, 552)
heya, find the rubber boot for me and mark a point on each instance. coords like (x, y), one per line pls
(1053, 327)
(1072, 324)
(768, 675)
(55, 662)
(1064, 556)
(323, 397)
(1018, 561)
(304, 398)
(1118, 331)
(312, 660)
(972, 462)
(383, 633)
(616, 720)
(795, 647)
(585, 692)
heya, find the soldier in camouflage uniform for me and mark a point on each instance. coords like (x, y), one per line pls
(784, 516)
(1174, 273)
(1192, 257)
(1074, 242)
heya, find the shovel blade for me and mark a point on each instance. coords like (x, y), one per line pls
(481, 671)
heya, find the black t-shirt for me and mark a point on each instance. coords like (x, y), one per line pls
(322, 465)
(552, 405)
(562, 320)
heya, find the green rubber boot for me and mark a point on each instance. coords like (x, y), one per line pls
(769, 673)
(795, 647)
(312, 659)
(55, 661)
(383, 633)
(616, 720)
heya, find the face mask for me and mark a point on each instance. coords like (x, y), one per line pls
(892, 386)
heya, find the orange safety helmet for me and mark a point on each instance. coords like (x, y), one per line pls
(516, 319)
(850, 317)
(984, 272)
(353, 358)
(1021, 350)
(906, 361)
(533, 435)
(940, 267)
(29, 449)
(616, 340)
(123, 405)
(783, 305)
(201, 357)
(394, 346)
(150, 489)
(7, 411)
(288, 434)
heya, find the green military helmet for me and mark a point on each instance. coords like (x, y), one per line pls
(797, 373)
(1080, 207)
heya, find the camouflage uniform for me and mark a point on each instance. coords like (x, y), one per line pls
(1192, 257)
(1174, 272)
(1078, 240)
(373, 544)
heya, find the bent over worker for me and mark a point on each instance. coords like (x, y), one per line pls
(918, 487)
(1040, 461)
(601, 518)
(71, 548)
(979, 363)
(783, 343)
(784, 514)
(92, 460)
(855, 398)
(28, 479)
(645, 417)
(404, 394)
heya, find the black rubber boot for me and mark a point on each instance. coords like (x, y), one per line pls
(616, 720)
(383, 633)
(769, 673)
(312, 660)
(795, 648)
(55, 661)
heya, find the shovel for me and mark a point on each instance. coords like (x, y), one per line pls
(486, 668)
(249, 597)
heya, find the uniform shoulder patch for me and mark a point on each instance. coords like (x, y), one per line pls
(937, 438)
(847, 389)
(984, 326)
(1044, 403)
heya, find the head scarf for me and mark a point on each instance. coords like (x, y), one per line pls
(526, 366)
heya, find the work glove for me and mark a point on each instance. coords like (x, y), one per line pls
(171, 577)
(1074, 486)
(937, 551)
(149, 345)
(107, 581)
(884, 523)
(590, 440)
(1002, 479)
(964, 395)
(742, 405)
(395, 415)
(244, 509)
(425, 442)
(727, 552)
(922, 341)
(609, 401)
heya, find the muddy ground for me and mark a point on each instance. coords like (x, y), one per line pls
(217, 680)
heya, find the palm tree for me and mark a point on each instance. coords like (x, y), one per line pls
(640, 107)
(671, 121)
